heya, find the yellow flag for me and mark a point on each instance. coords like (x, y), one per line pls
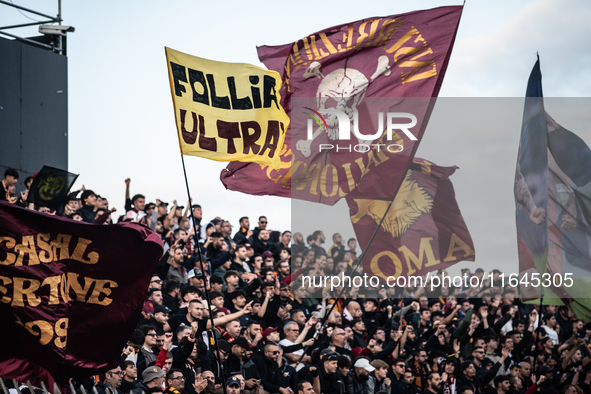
(227, 111)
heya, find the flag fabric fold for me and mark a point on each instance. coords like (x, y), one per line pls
(362, 69)
(553, 206)
(423, 231)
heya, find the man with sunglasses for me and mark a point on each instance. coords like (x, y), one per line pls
(396, 375)
(238, 354)
(149, 352)
(175, 382)
(267, 369)
(155, 282)
(262, 225)
(110, 382)
(478, 355)
(219, 366)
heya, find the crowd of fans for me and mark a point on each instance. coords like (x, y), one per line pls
(265, 332)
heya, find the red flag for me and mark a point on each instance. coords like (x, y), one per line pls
(423, 230)
(348, 67)
(70, 293)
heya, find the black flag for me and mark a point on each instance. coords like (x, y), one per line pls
(51, 187)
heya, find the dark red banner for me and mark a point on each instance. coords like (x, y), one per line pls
(70, 293)
(423, 230)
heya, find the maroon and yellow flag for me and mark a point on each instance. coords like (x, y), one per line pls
(70, 293)
(358, 69)
(422, 232)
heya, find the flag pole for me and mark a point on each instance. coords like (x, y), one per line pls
(4, 389)
(194, 224)
(352, 273)
(536, 331)
(196, 239)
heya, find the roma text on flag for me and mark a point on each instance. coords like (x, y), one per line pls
(423, 231)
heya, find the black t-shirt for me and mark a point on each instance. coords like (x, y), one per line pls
(176, 320)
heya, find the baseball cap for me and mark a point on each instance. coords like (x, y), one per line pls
(544, 369)
(162, 308)
(195, 273)
(269, 330)
(152, 373)
(163, 204)
(364, 363)
(266, 254)
(331, 357)
(233, 381)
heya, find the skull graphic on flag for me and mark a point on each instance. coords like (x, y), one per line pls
(359, 96)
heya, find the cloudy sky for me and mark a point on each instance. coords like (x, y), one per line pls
(121, 121)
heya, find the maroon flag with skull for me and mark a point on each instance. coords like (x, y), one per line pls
(423, 231)
(376, 73)
(71, 293)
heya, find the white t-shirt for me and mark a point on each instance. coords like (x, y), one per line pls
(552, 334)
(133, 215)
(507, 327)
(286, 342)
